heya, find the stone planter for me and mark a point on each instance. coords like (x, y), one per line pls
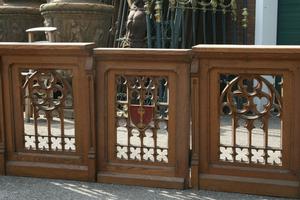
(77, 21)
(16, 16)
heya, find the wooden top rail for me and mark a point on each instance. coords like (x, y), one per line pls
(142, 54)
(247, 51)
(256, 52)
(199, 51)
(16, 48)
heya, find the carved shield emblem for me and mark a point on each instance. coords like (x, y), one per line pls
(141, 115)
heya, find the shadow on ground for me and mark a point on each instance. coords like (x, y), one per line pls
(33, 188)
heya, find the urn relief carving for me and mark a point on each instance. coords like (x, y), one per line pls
(78, 20)
(16, 16)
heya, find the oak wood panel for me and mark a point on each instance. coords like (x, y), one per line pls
(174, 65)
(195, 130)
(214, 174)
(75, 57)
(58, 49)
(142, 180)
(256, 52)
(193, 95)
(2, 133)
(249, 186)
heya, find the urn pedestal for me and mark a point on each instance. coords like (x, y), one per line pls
(16, 16)
(78, 20)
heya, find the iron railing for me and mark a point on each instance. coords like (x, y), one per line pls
(184, 23)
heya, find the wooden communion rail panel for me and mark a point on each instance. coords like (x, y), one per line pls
(246, 119)
(124, 116)
(42, 142)
(141, 97)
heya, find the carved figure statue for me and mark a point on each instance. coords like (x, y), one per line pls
(136, 25)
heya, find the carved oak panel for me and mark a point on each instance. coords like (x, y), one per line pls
(142, 118)
(47, 96)
(250, 119)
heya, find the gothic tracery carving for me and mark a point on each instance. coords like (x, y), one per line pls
(142, 118)
(249, 106)
(45, 94)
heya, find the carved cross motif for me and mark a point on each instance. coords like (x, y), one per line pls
(141, 112)
(142, 130)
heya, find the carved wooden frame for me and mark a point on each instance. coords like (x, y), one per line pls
(130, 62)
(2, 131)
(79, 165)
(193, 78)
(234, 177)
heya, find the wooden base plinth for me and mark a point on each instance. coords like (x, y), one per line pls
(141, 180)
(2, 164)
(257, 186)
(47, 170)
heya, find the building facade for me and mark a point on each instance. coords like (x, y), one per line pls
(277, 22)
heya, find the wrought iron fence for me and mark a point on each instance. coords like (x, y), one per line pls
(184, 23)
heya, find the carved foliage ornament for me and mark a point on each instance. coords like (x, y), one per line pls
(45, 128)
(47, 90)
(250, 111)
(240, 89)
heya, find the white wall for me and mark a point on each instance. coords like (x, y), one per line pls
(266, 13)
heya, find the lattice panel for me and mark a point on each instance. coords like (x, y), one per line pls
(250, 119)
(142, 118)
(48, 110)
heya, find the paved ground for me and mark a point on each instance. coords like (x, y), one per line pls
(16, 188)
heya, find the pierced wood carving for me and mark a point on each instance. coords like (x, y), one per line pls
(45, 95)
(142, 118)
(250, 119)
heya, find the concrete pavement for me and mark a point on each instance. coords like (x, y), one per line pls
(20, 188)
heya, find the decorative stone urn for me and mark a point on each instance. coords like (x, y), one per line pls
(16, 16)
(79, 20)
